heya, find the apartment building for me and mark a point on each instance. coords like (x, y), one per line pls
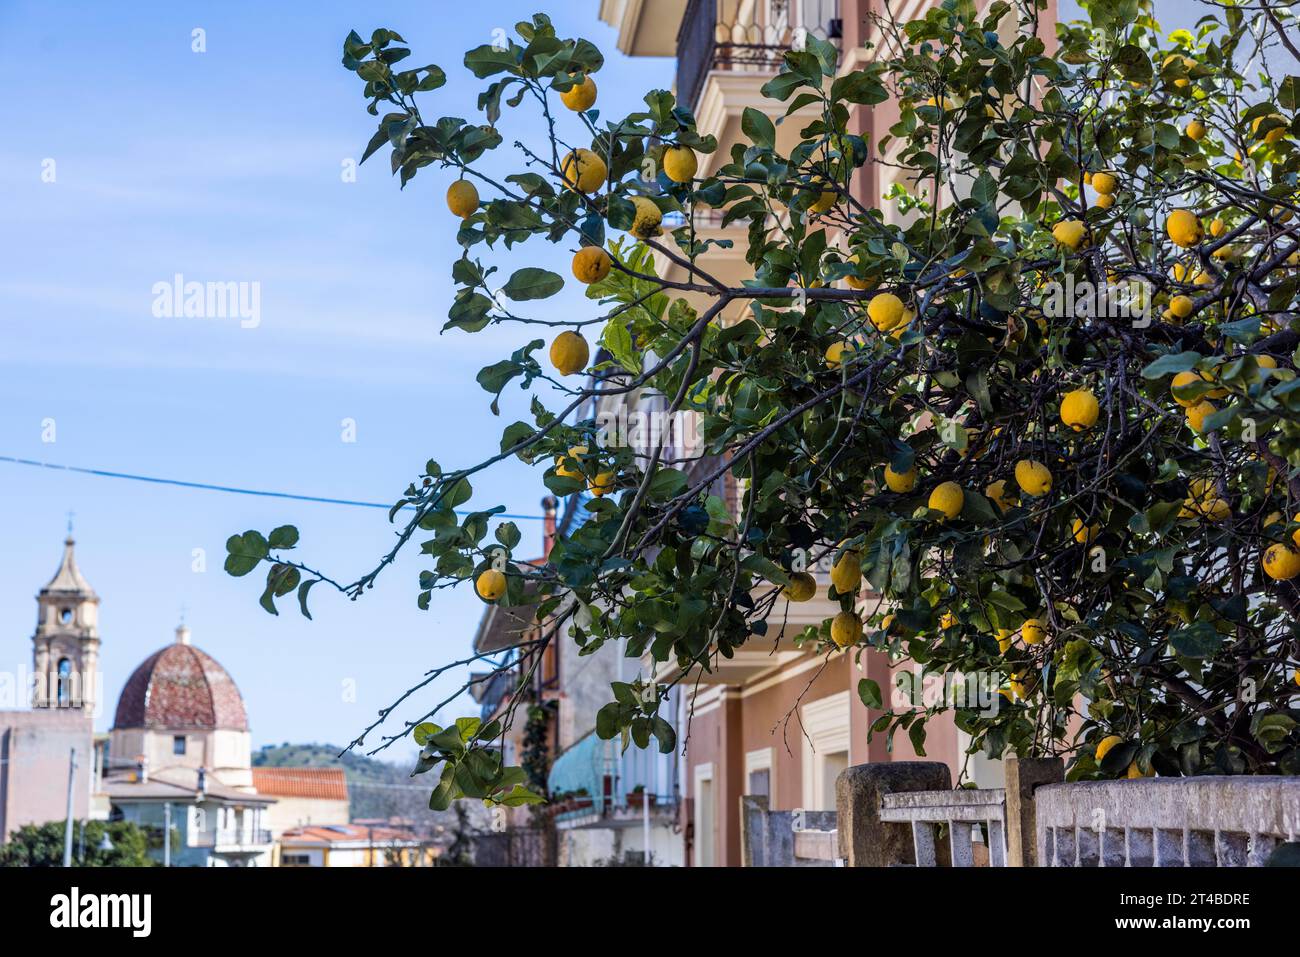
(774, 720)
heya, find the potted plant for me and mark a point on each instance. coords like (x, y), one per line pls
(637, 797)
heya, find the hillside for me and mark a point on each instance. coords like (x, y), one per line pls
(376, 789)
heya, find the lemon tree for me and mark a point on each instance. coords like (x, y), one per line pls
(1092, 510)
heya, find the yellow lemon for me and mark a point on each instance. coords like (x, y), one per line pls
(462, 198)
(1274, 134)
(835, 353)
(1019, 686)
(846, 629)
(680, 164)
(591, 264)
(1179, 381)
(1181, 306)
(802, 587)
(1069, 233)
(602, 484)
(999, 495)
(885, 311)
(1195, 130)
(1105, 745)
(1104, 183)
(1281, 563)
(648, 218)
(584, 171)
(562, 466)
(490, 585)
(1034, 478)
(853, 281)
(580, 96)
(1198, 413)
(1005, 639)
(1135, 772)
(569, 353)
(1218, 227)
(1079, 409)
(1105, 201)
(1184, 228)
(947, 620)
(1032, 632)
(900, 482)
(1084, 534)
(948, 498)
(846, 574)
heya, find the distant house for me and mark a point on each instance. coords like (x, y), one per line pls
(303, 797)
(355, 845)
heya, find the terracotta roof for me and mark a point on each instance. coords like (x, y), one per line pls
(179, 688)
(345, 834)
(301, 782)
(175, 784)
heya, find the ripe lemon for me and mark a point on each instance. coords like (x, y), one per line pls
(1032, 632)
(835, 353)
(1184, 228)
(462, 198)
(1195, 130)
(602, 484)
(1034, 478)
(1019, 686)
(569, 353)
(886, 623)
(802, 587)
(490, 585)
(1198, 413)
(1135, 772)
(1069, 233)
(948, 498)
(900, 482)
(1004, 639)
(1281, 563)
(648, 218)
(580, 96)
(561, 462)
(825, 200)
(1079, 409)
(947, 620)
(998, 494)
(1084, 534)
(846, 574)
(846, 629)
(1179, 381)
(1273, 135)
(853, 281)
(885, 311)
(1105, 201)
(591, 264)
(584, 171)
(680, 164)
(1105, 745)
(1218, 227)
(1104, 183)
(1181, 306)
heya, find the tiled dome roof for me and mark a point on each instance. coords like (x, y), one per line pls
(181, 688)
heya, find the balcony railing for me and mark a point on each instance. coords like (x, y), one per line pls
(596, 780)
(232, 837)
(705, 42)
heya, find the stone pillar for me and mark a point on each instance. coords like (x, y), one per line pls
(1024, 776)
(865, 840)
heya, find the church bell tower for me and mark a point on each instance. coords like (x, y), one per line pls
(65, 648)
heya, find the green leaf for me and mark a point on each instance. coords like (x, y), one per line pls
(532, 283)
(1171, 364)
(286, 536)
(758, 128)
(666, 483)
(245, 552)
(869, 692)
(1197, 640)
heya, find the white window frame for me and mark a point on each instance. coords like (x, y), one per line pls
(701, 774)
(826, 723)
(762, 759)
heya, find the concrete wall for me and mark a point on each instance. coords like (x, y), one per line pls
(289, 812)
(34, 752)
(227, 755)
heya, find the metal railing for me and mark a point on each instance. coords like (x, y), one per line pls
(705, 42)
(231, 836)
(596, 779)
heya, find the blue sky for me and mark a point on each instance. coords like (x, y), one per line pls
(226, 166)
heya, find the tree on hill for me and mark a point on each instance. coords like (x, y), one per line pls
(1046, 410)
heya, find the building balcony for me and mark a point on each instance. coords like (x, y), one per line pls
(231, 838)
(595, 784)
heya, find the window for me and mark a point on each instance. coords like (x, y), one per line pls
(704, 816)
(65, 683)
(65, 616)
(295, 860)
(178, 744)
(759, 775)
(825, 749)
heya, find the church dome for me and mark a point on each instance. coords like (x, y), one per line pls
(181, 688)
